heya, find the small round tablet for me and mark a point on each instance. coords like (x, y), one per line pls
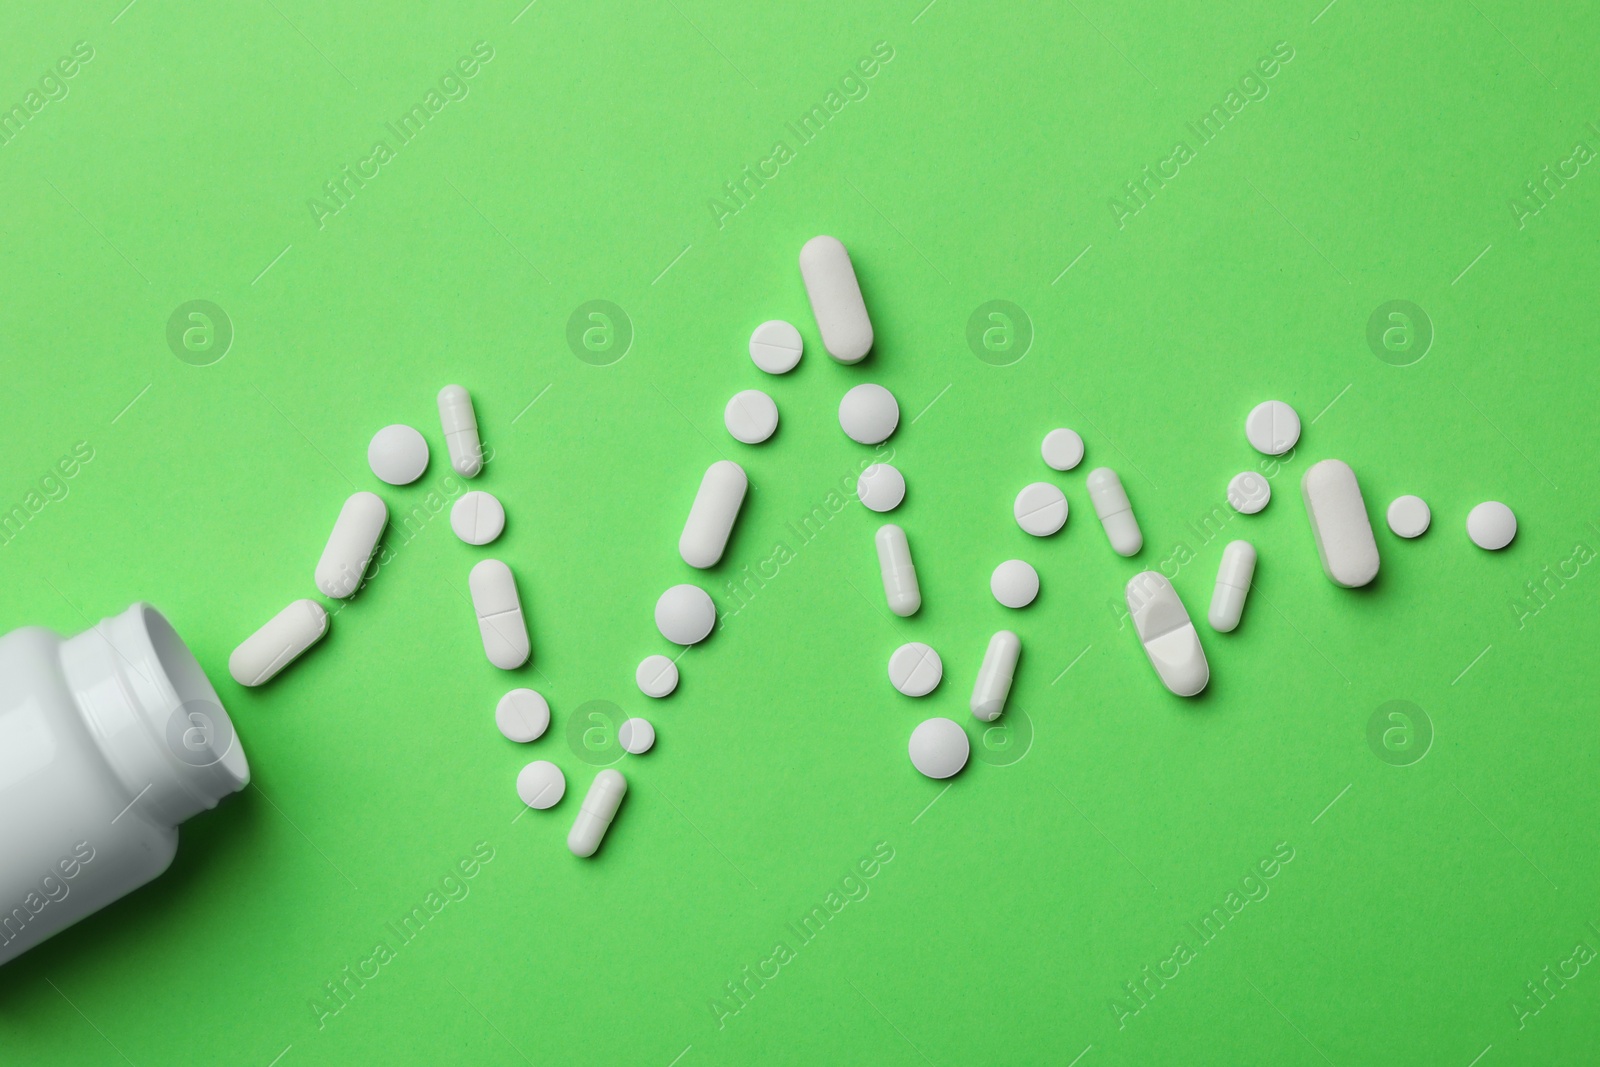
(1014, 583)
(915, 669)
(1409, 516)
(939, 748)
(1248, 492)
(881, 487)
(1041, 509)
(478, 517)
(636, 736)
(1272, 427)
(751, 416)
(522, 715)
(657, 676)
(398, 454)
(541, 784)
(775, 346)
(685, 614)
(1491, 525)
(1062, 449)
(868, 414)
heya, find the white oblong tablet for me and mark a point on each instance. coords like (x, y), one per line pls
(499, 610)
(460, 423)
(595, 814)
(915, 669)
(751, 416)
(836, 302)
(868, 414)
(1041, 509)
(1170, 640)
(1062, 449)
(711, 516)
(278, 643)
(685, 614)
(1409, 516)
(994, 677)
(657, 676)
(522, 715)
(541, 784)
(1339, 523)
(1491, 525)
(350, 545)
(1014, 583)
(398, 454)
(775, 346)
(1248, 492)
(1111, 504)
(939, 748)
(636, 736)
(900, 586)
(1272, 427)
(881, 487)
(1234, 574)
(478, 517)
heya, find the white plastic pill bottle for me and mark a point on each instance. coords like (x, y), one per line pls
(108, 740)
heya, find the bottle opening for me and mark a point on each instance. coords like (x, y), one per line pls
(199, 732)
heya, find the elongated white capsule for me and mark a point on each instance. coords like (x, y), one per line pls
(1169, 638)
(599, 807)
(500, 621)
(1116, 514)
(460, 424)
(994, 677)
(1233, 585)
(711, 516)
(350, 545)
(899, 575)
(836, 301)
(1339, 522)
(277, 644)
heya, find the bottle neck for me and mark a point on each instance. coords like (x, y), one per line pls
(155, 716)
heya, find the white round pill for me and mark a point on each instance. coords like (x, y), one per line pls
(1041, 509)
(751, 416)
(1248, 492)
(868, 414)
(939, 748)
(657, 676)
(1491, 525)
(522, 715)
(1062, 449)
(636, 736)
(541, 784)
(1409, 516)
(1014, 583)
(685, 614)
(881, 487)
(915, 669)
(478, 517)
(1272, 427)
(775, 347)
(398, 454)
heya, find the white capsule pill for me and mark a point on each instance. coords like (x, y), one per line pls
(636, 736)
(657, 676)
(685, 614)
(1062, 449)
(994, 677)
(915, 669)
(1169, 638)
(1041, 509)
(751, 416)
(599, 807)
(899, 574)
(1339, 523)
(836, 301)
(350, 545)
(1409, 516)
(868, 414)
(522, 715)
(711, 516)
(1491, 525)
(1248, 493)
(939, 748)
(1272, 427)
(460, 424)
(1014, 583)
(277, 644)
(775, 346)
(881, 487)
(1238, 566)
(500, 621)
(478, 517)
(541, 784)
(398, 454)
(1111, 504)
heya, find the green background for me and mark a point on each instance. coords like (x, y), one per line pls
(1104, 816)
